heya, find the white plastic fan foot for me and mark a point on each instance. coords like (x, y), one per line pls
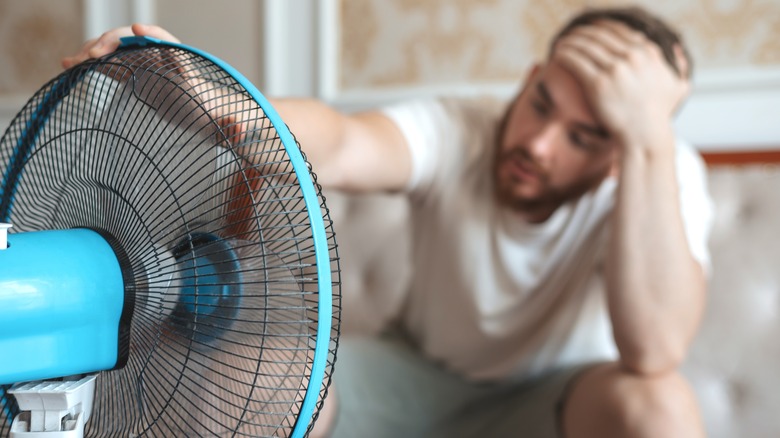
(53, 409)
(4, 235)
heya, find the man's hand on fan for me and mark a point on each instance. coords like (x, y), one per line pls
(109, 41)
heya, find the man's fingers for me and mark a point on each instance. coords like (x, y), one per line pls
(578, 63)
(598, 54)
(153, 31)
(109, 42)
(95, 48)
(603, 37)
(106, 44)
(628, 35)
(70, 61)
(682, 62)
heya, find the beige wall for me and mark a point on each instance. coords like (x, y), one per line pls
(387, 43)
(418, 42)
(230, 29)
(34, 36)
(358, 53)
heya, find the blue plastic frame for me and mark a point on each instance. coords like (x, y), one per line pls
(321, 251)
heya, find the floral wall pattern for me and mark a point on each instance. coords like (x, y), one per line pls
(34, 36)
(389, 43)
(367, 52)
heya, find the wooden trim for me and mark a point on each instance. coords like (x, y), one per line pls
(741, 158)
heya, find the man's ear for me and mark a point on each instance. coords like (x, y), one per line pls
(682, 62)
(685, 74)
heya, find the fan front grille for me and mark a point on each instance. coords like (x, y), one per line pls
(167, 154)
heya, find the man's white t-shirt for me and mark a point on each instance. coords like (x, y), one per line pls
(493, 297)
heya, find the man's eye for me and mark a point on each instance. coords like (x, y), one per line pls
(539, 108)
(578, 140)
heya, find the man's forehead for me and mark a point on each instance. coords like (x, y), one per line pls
(559, 88)
(560, 85)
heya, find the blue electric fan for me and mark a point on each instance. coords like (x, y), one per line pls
(170, 267)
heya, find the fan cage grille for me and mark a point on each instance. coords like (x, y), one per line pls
(154, 146)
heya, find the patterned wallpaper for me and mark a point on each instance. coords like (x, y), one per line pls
(34, 35)
(386, 43)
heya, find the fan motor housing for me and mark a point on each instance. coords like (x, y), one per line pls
(61, 300)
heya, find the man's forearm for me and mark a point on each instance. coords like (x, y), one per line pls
(655, 288)
(319, 129)
(361, 152)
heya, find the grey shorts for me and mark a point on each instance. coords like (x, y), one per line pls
(386, 389)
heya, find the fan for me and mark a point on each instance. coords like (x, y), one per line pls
(171, 268)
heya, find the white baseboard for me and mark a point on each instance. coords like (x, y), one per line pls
(734, 108)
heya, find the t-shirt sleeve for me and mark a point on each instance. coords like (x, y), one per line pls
(696, 205)
(423, 124)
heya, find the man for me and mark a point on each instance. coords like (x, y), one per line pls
(559, 245)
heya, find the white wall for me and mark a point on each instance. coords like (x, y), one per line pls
(731, 108)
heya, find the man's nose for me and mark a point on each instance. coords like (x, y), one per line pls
(545, 141)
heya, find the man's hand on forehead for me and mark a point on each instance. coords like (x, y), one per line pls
(631, 88)
(616, 40)
(591, 51)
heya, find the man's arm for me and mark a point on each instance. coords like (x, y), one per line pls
(655, 288)
(363, 152)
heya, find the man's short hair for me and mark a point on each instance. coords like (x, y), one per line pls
(655, 29)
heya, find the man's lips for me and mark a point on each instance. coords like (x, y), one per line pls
(521, 169)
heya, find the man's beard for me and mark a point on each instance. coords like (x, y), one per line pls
(544, 200)
(503, 187)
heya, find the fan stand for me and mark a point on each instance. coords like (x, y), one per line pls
(53, 409)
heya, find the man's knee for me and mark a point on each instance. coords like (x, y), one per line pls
(664, 402)
(608, 401)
